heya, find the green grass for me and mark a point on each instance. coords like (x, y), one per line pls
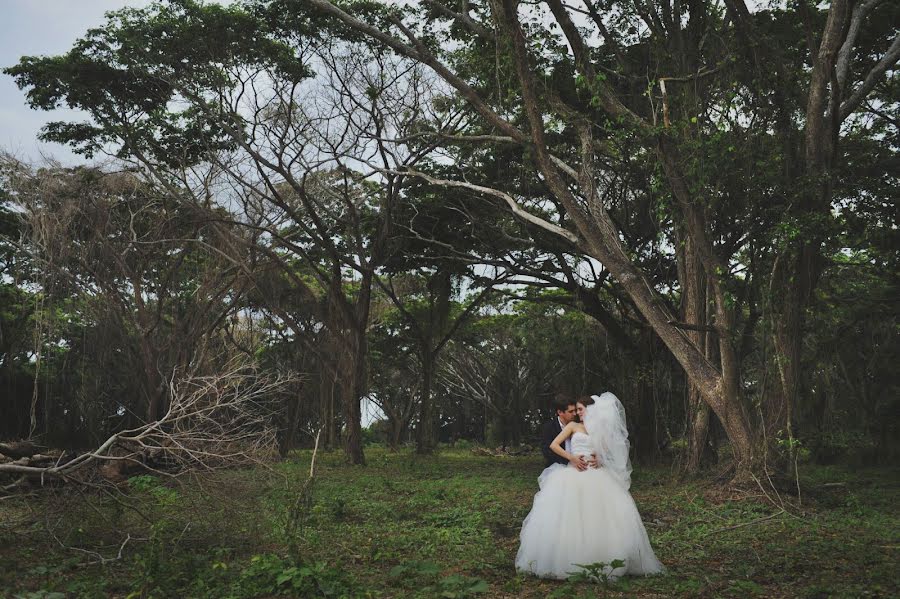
(442, 526)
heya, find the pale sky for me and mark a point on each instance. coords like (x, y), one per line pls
(35, 28)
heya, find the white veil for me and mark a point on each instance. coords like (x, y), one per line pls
(605, 423)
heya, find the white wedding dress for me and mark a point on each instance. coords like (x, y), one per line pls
(589, 516)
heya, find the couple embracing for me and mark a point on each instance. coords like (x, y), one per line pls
(583, 512)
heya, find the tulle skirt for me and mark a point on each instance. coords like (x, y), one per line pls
(583, 518)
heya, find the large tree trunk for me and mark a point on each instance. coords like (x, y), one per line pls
(426, 438)
(354, 391)
(327, 385)
(291, 422)
(794, 277)
(721, 393)
(440, 288)
(797, 268)
(694, 312)
(348, 324)
(397, 428)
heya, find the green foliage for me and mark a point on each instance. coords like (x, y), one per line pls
(414, 568)
(270, 574)
(424, 579)
(144, 61)
(456, 586)
(598, 573)
(153, 487)
(339, 509)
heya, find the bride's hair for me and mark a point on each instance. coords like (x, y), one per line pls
(585, 400)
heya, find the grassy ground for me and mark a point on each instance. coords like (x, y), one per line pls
(442, 526)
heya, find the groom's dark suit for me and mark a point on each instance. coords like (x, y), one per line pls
(548, 433)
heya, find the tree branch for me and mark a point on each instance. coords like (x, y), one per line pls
(842, 65)
(419, 52)
(887, 61)
(510, 201)
(463, 18)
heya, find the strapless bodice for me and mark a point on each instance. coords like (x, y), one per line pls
(581, 444)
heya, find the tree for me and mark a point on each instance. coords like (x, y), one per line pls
(18, 309)
(539, 57)
(432, 318)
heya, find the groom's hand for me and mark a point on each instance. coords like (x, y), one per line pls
(593, 463)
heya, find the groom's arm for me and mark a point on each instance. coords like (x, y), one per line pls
(548, 433)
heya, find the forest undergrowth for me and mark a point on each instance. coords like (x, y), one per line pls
(439, 526)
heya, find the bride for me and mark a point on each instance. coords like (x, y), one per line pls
(581, 517)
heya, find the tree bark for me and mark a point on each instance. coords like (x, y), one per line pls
(694, 311)
(354, 391)
(426, 438)
(291, 421)
(397, 427)
(797, 268)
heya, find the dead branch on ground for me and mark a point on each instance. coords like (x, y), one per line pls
(213, 421)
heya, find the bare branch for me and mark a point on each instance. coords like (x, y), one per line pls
(463, 18)
(872, 78)
(510, 201)
(419, 52)
(842, 65)
(212, 421)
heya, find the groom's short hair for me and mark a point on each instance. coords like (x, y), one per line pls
(562, 401)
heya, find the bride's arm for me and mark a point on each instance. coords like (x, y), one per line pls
(557, 448)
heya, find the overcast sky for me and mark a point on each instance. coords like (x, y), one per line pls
(35, 28)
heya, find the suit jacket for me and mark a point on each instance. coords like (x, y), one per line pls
(548, 433)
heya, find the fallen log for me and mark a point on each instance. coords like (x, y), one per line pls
(20, 449)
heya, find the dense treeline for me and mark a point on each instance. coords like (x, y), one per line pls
(455, 215)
